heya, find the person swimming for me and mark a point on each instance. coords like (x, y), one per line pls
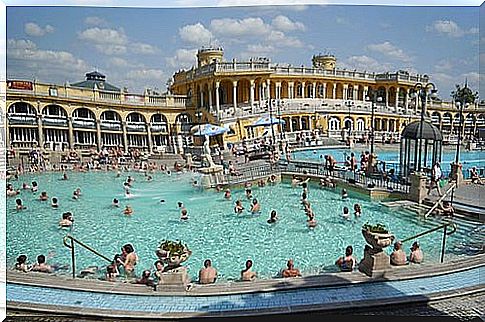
(357, 210)
(67, 220)
(238, 209)
(54, 202)
(227, 194)
(311, 222)
(249, 194)
(19, 205)
(126, 186)
(34, 186)
(255, 206)
(116, 203)
(344, 194)
(183, 214)
(25, 186)
(273, 217)
(64, 176)
(43, 196)
(128, 210)
(346, 214)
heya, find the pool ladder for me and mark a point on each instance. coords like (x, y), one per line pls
(69, 242)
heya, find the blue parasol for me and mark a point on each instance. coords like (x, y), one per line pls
(208, 129)
(266, 120)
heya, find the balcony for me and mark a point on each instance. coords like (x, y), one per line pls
(159, 128)
(22, 119)
(52, 120)
(84, 123)
(136, 127)
(111, 125)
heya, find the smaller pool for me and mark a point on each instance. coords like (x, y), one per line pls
(391, 156)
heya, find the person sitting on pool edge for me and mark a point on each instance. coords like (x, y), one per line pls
(416, 255)
(398, 256)
(247, 274)
(273, 217)
(255, 206)
(290, 270)
(145, 278)
(475, 177)
(238, 209)
(207, 274)
(347, 263)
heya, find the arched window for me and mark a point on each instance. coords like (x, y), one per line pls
(334, 124)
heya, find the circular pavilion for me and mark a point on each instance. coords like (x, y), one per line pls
(421, 147)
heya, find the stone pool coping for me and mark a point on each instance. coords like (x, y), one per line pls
(408, 272)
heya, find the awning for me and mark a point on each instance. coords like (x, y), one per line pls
(208, 129)
(265, 121)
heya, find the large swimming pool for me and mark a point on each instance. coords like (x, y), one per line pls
(212, 231)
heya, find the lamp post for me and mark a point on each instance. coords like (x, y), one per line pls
(372, 96)
(423, 91)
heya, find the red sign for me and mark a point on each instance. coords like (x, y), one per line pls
(25, 85)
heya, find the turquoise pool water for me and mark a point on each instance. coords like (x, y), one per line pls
(467, 158)
(212, 231)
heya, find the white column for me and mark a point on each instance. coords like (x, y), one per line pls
(201, 99)
(234, 93)
(356, 92)
(268, 89)
(210, 98)
(366, 91)
(324, 90)
(334, 91)
(217, 98)
(387, 97)
(314, 89)
(251, 94)
(346, 88)
(291, 90)
(406, 104)
(98, 134)
(302, 91)
(397, 99)
(278, 90)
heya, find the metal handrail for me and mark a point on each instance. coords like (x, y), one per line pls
(445, 233)
(453, 185)
(73, 256)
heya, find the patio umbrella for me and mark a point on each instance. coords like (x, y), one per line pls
(266, 120)
(208, 129)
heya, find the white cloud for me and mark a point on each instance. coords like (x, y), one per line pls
(257, 50)
(248, 29)
(284, 23)
(114, 42)
(33, 29)
(366, 63)
(229, 27)
(95, 21)
(183, 58)
(104, 36)
(118, 62)
(196, 34)
(26, 57)
(147, 74)
(443, 65)
(449, 28)
(141, 48)
(391, 51)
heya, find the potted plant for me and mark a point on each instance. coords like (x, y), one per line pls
(173, 253)
(377, 236)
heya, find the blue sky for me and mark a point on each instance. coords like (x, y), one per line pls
(141, 47)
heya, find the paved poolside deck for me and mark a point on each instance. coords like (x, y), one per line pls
(339, 291)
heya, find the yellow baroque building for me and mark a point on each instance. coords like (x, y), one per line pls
(322, 98)
(93, 114)
(235, 94)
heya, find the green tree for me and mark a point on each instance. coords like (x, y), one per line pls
(465, 93)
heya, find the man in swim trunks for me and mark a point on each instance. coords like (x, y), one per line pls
(208, 274)
(290, 270)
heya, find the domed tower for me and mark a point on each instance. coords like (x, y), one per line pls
(209, 55)
(326, 61)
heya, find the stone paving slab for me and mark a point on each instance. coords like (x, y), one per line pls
(296, 300)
